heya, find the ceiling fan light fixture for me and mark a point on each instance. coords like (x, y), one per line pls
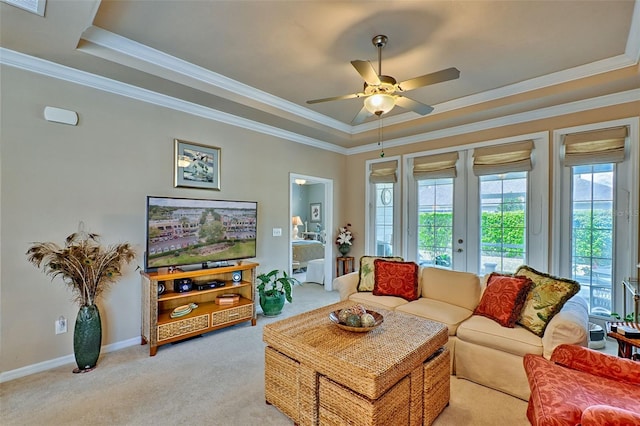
(380, 103)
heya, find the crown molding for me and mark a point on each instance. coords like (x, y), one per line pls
(171, 65)
(51, 69)
(153, 58)
(523, 117)
(633, 41)
(61, 72)
(577, 73)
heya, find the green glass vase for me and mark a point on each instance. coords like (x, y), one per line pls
(87, 338)
(272, 305)
(344, 249)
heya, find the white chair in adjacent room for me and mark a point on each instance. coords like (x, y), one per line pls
(315, 271)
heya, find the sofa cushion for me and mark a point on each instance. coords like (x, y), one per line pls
(366, 272)
(545, 299)
(396, 279)
(503, 298)
(435, 310)
(485, 332)
(386, 302)
(454, 287)
(570, 325)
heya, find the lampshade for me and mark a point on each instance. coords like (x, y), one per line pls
(380, 103)
(296, 220)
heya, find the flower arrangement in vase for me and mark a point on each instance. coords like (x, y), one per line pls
(344, 240)
(88, 269)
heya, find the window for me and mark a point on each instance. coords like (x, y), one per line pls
(384, 219)
(383, 236)
(503, 206)
(596, 225)
(592, 233)
(435, 222)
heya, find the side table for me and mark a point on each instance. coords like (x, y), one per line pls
(625, 345)
(344, 265)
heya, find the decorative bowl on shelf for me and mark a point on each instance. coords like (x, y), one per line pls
(183, 310)
(335, 318)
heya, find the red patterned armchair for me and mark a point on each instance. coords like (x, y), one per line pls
(581, 386)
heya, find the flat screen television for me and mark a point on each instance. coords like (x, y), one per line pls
(187, 231)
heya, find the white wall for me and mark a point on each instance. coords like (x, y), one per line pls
(52, 176)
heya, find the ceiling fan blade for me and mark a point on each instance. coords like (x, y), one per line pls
(362, 115)
(427, 79)
(415, 106)
(368, 73)
(336, 98)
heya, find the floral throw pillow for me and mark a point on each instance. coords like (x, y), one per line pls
(545, 299)
(503, 299)
(367, 273)
(396, 279)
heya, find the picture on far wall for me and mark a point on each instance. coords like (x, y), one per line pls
(316, 212)
(196, 165)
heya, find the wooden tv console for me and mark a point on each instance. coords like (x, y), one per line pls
(158, 328)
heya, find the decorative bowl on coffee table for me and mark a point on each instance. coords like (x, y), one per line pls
(333, 316)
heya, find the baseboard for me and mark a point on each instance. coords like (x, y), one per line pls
(63, 360)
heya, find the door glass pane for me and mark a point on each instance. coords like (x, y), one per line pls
(592, 234)
(435, 222)
(384, 219)
(503, 206)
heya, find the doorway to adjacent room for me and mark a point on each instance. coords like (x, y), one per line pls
(310, 233)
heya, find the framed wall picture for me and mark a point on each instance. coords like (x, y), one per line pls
(316, 212)
(196, 165)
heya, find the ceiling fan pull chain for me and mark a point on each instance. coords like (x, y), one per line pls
(380, 135)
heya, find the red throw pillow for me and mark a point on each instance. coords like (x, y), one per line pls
(396, 279)
(503, 299)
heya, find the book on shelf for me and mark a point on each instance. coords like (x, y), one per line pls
(227, 299)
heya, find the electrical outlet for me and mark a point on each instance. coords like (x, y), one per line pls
(277, 232)
(61, 325)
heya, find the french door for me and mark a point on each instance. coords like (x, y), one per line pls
(484, 220)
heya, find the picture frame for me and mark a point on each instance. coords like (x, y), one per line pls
(196, 165)
(315, 212)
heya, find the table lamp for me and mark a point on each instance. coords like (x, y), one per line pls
(295, 221)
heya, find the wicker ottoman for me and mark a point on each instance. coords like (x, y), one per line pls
(317, 373)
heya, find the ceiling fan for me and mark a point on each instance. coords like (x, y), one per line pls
(383, 92)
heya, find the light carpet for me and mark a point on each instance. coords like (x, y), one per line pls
(217, 379)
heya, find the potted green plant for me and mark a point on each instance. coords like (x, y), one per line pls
(88, 269)
(273, 290)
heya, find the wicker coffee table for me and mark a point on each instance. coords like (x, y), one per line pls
(317, 373)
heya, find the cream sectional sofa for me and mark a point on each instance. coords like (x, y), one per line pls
(481, 350)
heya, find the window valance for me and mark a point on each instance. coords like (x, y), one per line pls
(595, 147)
(385, 172)
(505, 158)
(435, 166)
